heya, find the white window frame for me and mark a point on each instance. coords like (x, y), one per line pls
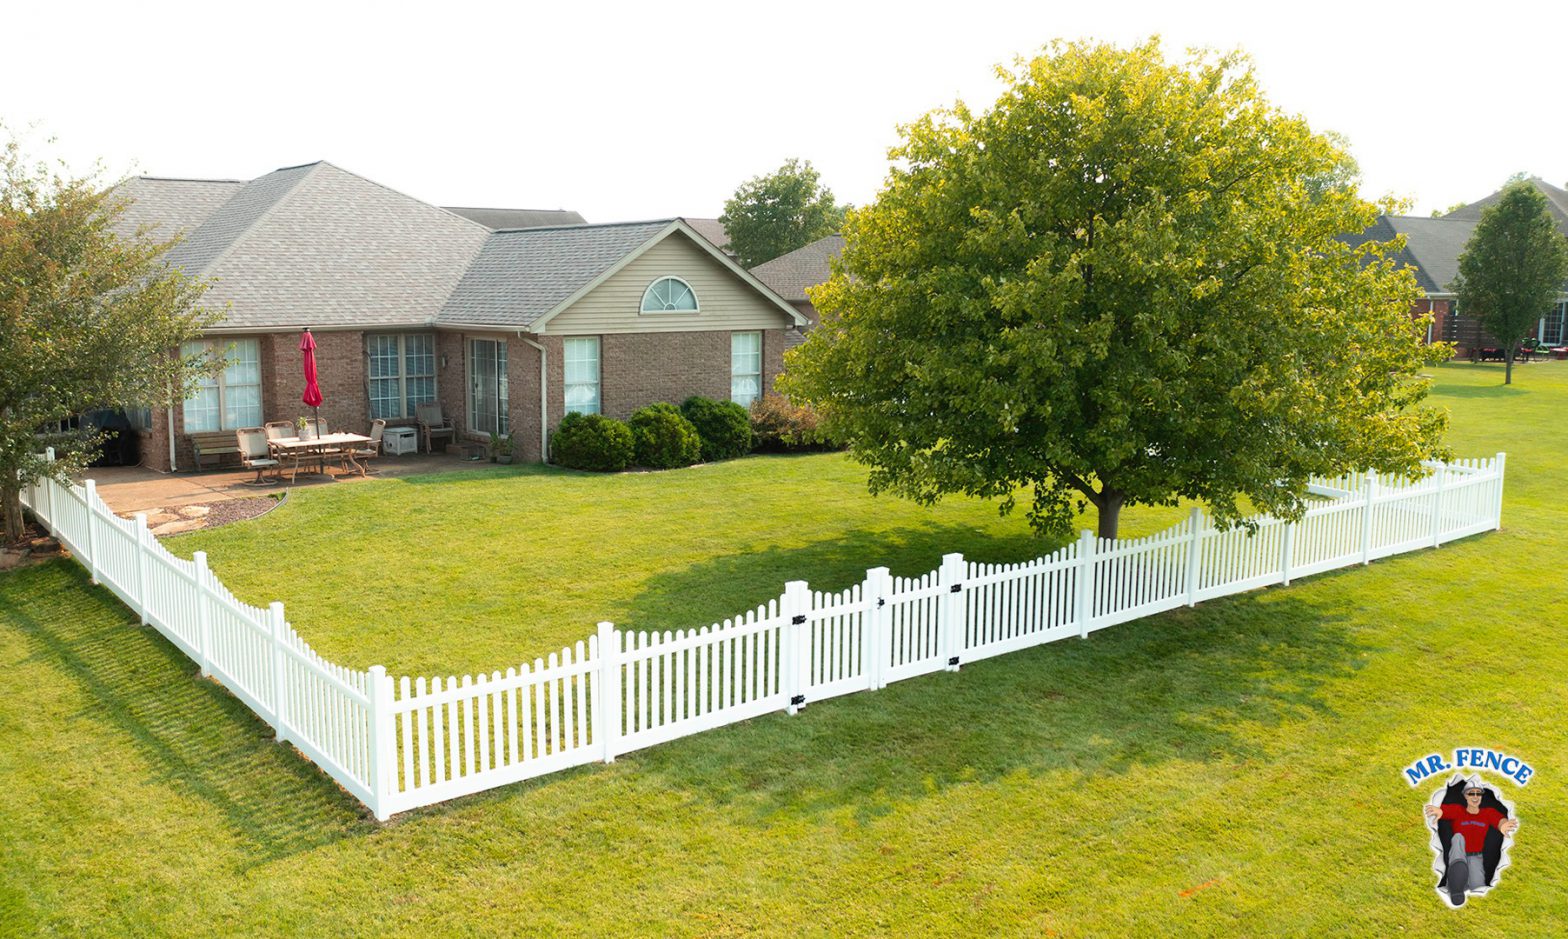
(642, 305)
(572, 354)
(403, 376)
(502, 423)
(757, 375)
(222, 384)
(1558, 317)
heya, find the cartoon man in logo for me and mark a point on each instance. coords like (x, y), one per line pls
(1471, 823)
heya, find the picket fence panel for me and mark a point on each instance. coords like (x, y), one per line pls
(396, 744)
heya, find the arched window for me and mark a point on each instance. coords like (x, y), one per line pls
(669, 295)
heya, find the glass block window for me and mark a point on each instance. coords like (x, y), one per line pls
(402, 374)
(487, 391)
(232, 398)
(582, 375)
(745, 368)
(669, 295)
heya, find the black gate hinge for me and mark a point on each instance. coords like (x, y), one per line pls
(799, 618)
(798, 701)
(956, 588)
(953, 660)
(881, 601)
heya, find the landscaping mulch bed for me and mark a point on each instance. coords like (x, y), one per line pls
(238, 510)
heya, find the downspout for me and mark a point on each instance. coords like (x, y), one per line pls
(544, 398)
(170, 414)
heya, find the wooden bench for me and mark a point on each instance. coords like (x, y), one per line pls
(217, 446)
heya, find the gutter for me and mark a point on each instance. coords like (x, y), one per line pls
(544, 398)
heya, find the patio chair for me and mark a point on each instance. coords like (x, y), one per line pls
(276, 429)
(255, 454)
(364, 455)
(433, 425)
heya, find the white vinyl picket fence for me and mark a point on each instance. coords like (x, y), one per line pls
(397, 744)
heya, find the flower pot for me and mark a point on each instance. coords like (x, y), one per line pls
(504, 458)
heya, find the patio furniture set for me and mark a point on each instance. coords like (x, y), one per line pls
(278, 445)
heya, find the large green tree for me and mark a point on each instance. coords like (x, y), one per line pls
(1124, 283)
(1513, 267)
(87, 320)
(777, 213)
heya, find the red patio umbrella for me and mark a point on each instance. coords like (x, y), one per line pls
(312, 396)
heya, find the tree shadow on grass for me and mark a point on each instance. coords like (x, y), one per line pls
(198, 737)
(1200, 685)
(1498, 390)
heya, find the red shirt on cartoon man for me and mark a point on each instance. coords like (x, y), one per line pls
(1471, 822)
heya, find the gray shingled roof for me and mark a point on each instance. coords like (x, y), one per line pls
(1436, 244)
(316, 245)
(167, 206)
(518, 218)
(1383, 230)
(713, 230)
(1556, 203)
(522, 275)
(790, 274)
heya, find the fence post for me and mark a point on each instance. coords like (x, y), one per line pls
(203, 611)
(1502, 461)
(874, 625)
(796, 660)
(954, 620)
(141, 565)
(1437, 504)
(607, 692)
(1366, 521)
(49, 486)
(280, 696)
(383, 743)
(1287, 552)
(1084, 582)
(92, 531)
(1194, 553)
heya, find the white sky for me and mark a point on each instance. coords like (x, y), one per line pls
(658, 109)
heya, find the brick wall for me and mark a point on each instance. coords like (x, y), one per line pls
(340, 372)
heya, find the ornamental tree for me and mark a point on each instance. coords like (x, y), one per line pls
(1121, 284)
(774, 214)
(87, 320)
(1513, 267)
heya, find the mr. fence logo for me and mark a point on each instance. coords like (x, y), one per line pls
(1471, 825)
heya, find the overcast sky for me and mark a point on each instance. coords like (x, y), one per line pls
(660, 109)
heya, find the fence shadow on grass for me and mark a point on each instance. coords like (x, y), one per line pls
(1190, 684)
(197, 737)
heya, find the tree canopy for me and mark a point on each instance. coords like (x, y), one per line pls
(1513, 267)
(777, 213)
(87, 320)
(1124, 283)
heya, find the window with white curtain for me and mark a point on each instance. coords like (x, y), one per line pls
(402, 373)
(582, 375)
(669, 295)
(232, 398)
(745, 368)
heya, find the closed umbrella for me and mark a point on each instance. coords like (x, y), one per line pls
(312, 396)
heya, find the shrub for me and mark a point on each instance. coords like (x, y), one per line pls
(779, 426)
(662, 438)
(724, 426)
(592, 442)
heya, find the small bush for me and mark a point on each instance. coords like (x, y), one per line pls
(778, 426)
(724, 426)
(592, 442)
(662, 438)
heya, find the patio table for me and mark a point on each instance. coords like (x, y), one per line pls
(300, 450)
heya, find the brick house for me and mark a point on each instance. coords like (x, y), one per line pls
(506, 318)
(1432, 250)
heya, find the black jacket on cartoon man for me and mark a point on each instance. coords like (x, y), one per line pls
(1492, 854)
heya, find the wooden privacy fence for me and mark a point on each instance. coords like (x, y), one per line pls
(396, 744)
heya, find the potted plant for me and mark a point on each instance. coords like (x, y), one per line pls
(501, 448)
(305, 431)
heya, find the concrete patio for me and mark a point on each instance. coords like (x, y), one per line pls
(178, 502)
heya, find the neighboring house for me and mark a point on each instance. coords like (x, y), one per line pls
(410, 303)
(1432, 250)
(790, 274)
(713, 230)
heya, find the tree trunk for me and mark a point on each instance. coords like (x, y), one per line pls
(1508, 366)
(11, 503)
(1110, 506)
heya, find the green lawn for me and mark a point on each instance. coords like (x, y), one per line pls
(1232, 769)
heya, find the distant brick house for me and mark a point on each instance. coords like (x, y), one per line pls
(1432, 250)
(506, 318)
